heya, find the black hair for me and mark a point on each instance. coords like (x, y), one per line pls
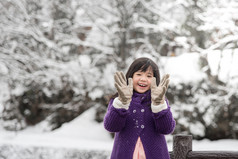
(142, 64)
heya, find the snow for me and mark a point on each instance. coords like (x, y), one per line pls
(184, 68)
(97, 93)
(85, 134)
(224, 64)
(197, 129)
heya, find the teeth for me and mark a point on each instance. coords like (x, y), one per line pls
(142, 85)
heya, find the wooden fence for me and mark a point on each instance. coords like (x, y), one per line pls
(182, 149)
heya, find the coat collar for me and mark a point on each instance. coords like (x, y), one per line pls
(142, 96)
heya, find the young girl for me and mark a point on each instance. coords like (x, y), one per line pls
(140, 114)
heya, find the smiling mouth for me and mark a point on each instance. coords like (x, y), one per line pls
(142, 85)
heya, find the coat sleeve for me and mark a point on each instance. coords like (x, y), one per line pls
(115, 118)
(164, 121)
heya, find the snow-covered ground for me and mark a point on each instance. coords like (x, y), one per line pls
(83, 133)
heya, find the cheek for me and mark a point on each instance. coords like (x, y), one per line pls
(149, 82)
(134, 81)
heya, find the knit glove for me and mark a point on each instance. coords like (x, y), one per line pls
(124, 91)
(158, 92)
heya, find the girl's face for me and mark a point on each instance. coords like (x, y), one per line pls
(142, 80)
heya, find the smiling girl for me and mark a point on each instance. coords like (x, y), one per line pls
(139, 113)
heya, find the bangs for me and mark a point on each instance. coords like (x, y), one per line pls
(143, 66)
(146, 66)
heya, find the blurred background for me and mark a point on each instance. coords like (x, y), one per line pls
(58, 58)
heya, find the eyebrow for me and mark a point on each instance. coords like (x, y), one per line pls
(150, 73)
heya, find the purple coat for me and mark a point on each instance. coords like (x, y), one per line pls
(139, 121)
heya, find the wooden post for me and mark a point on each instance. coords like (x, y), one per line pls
(182, 144)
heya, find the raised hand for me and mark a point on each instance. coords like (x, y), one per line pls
(124, 91)
(158, 92)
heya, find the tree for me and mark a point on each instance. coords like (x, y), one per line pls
(38, 48)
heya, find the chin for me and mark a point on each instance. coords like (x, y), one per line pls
(141, 91)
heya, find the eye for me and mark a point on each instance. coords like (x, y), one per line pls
(149, 75)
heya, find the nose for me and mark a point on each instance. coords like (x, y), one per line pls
(143, 78)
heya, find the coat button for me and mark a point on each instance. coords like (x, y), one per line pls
(142, 126)
(134, 111)
(142, 110)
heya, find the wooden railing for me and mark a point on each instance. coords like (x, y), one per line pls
(182, 149)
